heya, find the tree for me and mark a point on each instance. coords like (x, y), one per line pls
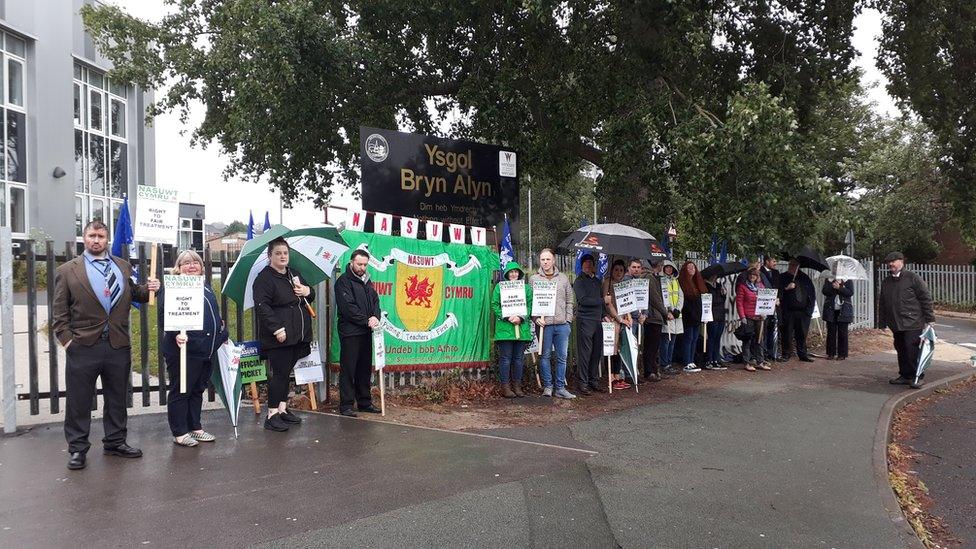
(928, 53)
(628, 86)
(235, 227)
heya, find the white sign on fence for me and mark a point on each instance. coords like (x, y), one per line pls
(641, 293)
(157, 215)
(609, 339)
(706, 314)
(513, 298)
(379, 350)
(543, 297)
(309, 369)
(183, 304)
(624, 294)
(766, 302)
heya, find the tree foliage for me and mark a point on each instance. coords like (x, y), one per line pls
(235, 227)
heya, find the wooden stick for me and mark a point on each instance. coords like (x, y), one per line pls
(542, 337)
(254, 398)
(518, 333)
(382, 394)
(183, 364)
(705, 340)
(311, 395)
(152, 272)
(609, 376)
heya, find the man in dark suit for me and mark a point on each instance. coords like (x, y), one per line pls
(92, 296)
(906, 308)
(798, 299)
(359, 315)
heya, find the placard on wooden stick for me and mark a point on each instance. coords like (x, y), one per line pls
(513, 301)
(157, 221)
(379, 362)
(183, 311)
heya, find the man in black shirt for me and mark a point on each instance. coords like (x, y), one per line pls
(798, 298)
(359, 312)
(589, 328)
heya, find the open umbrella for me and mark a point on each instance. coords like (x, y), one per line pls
(845, 267)
(613, 239)
(314, 253)
(927, 345)
(723, 269)
(811, 259)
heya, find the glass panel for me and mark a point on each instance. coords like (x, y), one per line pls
(98, 209)
(16, 146)
(118, 118)
(78, 75)
(81, 207)
(78, 108)
(18, 209)
(198, 241)
(96, 79)
(80, 162)
(16, 46)
(3, 204)
(96, 164)
(95, 109)
(116, 206)
(119, 169)
(15, 82)
(117, 89)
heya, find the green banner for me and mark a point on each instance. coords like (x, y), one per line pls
(435, 300)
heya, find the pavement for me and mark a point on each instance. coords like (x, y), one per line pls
(770, 459)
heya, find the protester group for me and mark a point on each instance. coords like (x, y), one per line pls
(93, 294)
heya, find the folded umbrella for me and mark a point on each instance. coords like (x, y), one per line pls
(613, 239)
(844, 267)
(927, 344)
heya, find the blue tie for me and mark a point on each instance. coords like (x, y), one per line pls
(115, 290)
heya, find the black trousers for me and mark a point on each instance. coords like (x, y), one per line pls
(589, 352)
(652, 348)
(837, 336)
(183, 410)
(796, 324)
(83, 366)
(281, 361)
(906, 345)
(356, 371)
(752, 349)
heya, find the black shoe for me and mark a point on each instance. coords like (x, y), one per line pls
(371, 410)
(289, 417)
(122, 450)
(598, 389)
(916, 384)
(707, 366)
(583, 390)
(347, 413)
(899, 381)
(842, 358)
(275, 423)
(782, 359)
(805, 359)
(76, 461)
(831, 357)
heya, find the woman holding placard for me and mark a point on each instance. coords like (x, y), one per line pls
(716, 327)
(184, 409)
(692, 286)
(513, 332)
(746, 297)
(617, 271)
(281, 298)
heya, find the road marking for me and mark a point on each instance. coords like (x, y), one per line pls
(480, 435)
(943, 325)
(973, 345)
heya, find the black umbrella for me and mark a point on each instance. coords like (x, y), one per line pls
(723, 269)
(811, 259)
(613, 239)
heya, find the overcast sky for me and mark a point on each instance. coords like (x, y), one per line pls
(197, 172)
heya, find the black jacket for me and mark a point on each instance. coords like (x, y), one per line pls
(356, 301)
(718, 301)
(788, 297)
(691, 310)
(277, 306)
(906, 303)
(657, 312)
(845, 292)
(589, 298)
(200, 344)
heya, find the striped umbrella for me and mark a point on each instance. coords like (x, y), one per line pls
(314, 253)
(927, 345)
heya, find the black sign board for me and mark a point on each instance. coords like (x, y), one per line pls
(439, 179)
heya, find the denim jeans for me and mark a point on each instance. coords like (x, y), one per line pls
(715, 331)
(667, 349)
(511, 359)
(689, 344)
(554, 338)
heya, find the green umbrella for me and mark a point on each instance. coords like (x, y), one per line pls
(926, 345)
(314, 253)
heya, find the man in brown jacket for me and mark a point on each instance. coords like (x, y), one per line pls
(906, 308)
(92, 296)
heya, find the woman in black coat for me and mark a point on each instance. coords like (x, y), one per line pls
(282, 302)
(183, 409)
(838, 313)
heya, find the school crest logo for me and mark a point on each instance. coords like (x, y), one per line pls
(377, 149)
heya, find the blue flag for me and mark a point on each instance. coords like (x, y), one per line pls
(123, 237)
(267, 222)
(713, 251)
(506, 252)
(250, 225)
(602, 265)
(724, 255)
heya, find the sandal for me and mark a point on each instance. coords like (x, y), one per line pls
(202, 436)
(186, 440)
(763, 366)
(750, 368)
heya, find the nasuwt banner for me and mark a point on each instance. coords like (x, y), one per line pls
(435, 299)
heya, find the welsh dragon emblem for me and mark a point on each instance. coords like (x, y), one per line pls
(418, 292)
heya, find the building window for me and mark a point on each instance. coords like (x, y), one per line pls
(101, 148)
(191, 234)
(13, 116)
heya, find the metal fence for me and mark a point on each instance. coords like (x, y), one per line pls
(949, 284)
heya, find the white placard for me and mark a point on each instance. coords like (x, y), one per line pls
(642, 293)
(507, 164)
(157, 215)
(666, 294)
(766, 302)
(456, 233)
(478, 236)
(609, 339)
(816, 310)
(409, 227)
(309, 369)
(379, 350)
(434, 230)
(383, 224)
(355, 220)
(533, 348)
(706, 314)
(544, 297)
(623, 292)
(183, 303)
(513, 298)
